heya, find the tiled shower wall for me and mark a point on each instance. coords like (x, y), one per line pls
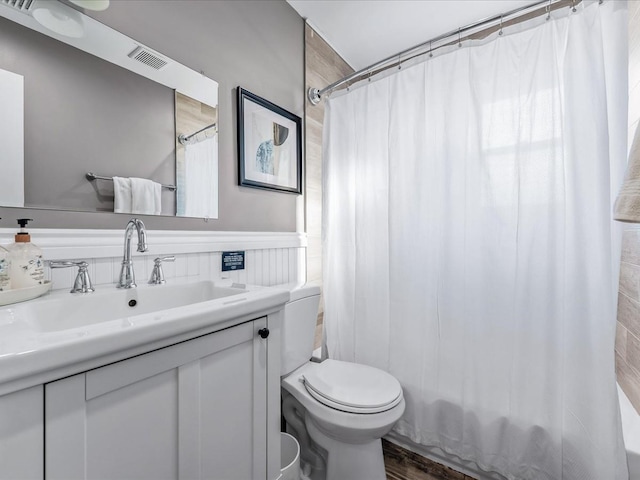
(628, 326)
(266, 267)
(323, 66)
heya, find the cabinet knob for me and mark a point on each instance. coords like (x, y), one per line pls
(263, 332)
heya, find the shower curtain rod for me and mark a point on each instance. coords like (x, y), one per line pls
(184, 139)
(315, 95)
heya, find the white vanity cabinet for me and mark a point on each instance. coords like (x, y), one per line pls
(193, 410)
(92, 390)
(21, 434)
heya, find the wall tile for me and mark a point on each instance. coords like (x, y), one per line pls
(630, 280)
(631, 246)
(629, 380)
(634, 100)
(632, 354)
(621, 340)
(322, 67)
(629, 314)
(631, 133)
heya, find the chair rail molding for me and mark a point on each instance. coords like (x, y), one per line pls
(58, 244)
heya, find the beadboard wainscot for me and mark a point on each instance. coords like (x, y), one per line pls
(271, 258)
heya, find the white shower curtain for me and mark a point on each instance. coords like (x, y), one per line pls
(201, 179)
(469, 248)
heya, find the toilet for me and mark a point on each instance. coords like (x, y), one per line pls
(337, 410)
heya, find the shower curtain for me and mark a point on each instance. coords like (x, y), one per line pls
(469, 248)
(201, 179)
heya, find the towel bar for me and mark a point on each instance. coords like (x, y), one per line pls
(92, 176)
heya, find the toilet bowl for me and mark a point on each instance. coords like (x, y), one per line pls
(337, 410)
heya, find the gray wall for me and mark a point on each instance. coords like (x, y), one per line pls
(257, 45)
(83, 114)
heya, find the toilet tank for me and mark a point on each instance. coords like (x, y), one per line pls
(299, 327)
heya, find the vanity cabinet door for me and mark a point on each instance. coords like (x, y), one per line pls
(21, 433)
(194, 410)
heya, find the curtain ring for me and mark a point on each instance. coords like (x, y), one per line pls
(399, 63)
(573, 6)
(500, 32)
(459, 39)
(430, 50)
(369, 75)
(548, 8)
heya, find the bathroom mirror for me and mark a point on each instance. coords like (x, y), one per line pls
(88, 104)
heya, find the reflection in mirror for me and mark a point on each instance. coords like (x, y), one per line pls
(11, 135)
(196, 158)
(106, 104)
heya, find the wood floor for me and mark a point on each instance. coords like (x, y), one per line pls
(401, 464)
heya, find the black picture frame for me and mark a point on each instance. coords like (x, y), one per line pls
(269, 154)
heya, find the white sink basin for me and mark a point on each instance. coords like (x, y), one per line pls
(60, 312)
(61, 334)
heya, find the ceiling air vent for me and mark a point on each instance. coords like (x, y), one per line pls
(148, 57)
(20, 5)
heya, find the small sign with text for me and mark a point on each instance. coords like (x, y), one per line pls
(232, 261)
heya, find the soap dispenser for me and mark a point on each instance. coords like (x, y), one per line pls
(27, 266)
(5, 269)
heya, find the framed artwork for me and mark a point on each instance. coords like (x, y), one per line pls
(269, 145)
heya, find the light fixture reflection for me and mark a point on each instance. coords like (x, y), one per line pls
(59, 19)
(95, 5)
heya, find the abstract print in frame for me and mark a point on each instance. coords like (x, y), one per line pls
(269, 145)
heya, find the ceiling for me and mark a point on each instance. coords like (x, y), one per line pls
(366, 31)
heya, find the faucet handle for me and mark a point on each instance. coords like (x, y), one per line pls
(157, 275)
(82, 283)
(168, 258)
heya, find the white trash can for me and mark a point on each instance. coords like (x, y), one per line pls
(289, 457)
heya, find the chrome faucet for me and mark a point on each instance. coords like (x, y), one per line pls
(157, 276)
(82, 284)
(127, 277)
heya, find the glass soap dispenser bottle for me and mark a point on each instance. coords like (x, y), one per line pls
(5, 269)
(27, 266)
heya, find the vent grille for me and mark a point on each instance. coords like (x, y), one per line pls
(148, 57)
(21, 5)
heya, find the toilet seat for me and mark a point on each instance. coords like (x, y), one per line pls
(353, 388)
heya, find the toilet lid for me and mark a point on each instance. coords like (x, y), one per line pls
(351, 387)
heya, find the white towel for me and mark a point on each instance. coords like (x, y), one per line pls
(145, 196)
(122, 192)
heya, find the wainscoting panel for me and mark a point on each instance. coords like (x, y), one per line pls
(270, 258)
